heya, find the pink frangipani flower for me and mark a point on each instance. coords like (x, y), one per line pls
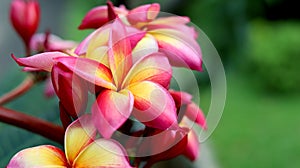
(171, 34)
(81, 150)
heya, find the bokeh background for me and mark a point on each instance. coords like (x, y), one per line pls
(259, 44)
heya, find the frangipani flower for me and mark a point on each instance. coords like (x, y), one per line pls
(138, 88)
(81, 151)
(172, 36)
(127, 85)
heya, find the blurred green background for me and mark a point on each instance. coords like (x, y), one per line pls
(259, 44)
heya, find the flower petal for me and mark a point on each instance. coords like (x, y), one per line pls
(98, 16)
(174, 22)
(182, 51)
(40, 156)
(111, 110)
(194, 113)
(181, 98)
(42, 61)
(154, 106)
(154, 67)
(102, 153)
(95, 72)
(144, 13)
(70, 89)
(79, 135)
(119, 54)
(145, 46)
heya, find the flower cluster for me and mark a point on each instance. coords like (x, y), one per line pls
(126, 63)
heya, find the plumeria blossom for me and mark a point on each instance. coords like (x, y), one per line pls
(171, 35)
(81, 150)
(129, 87)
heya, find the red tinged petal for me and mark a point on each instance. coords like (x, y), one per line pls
(195, 114)
(95, 72)
(144, 13)
(154, 67)
(25, 16)
(70, 89)
(181, 98)
(42, 61)
(119, 53)
(173, 22)
(181, 50)
(79, 135)
(163, 145)
(98, 16)
(102, 153)
(111, 110)
(192, 149)
(41, 156)
(154, 106)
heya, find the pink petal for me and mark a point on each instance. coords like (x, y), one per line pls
(194, 113)
(103, 153)
(89, 70)
(40, 156)
(192, 148)
(119, 54)
(181, 50)
(98, 16)
(54, 43)
(144, 13)
(154, 67)
(154, 106)
(173, 22)
(111, 110)
(163, 145)
(42, 61)
(181, 98)
(79, 135)
(70, 89)
(49, 90)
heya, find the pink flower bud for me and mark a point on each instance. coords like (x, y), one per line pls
(25, 16)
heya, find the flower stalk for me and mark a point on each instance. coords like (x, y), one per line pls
(32, 124)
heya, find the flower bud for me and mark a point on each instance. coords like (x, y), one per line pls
(25, 16)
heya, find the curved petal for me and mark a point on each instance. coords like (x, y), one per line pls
(144, 13)
(111, 110)
(181, 50)
(42, 61)
(89, 70)
(144, 47)
(154, 67)
(98, 16)
(173, 22)
(99, 54)
(102, 153)
(119, 54)
(40, 156)
(181, 98)
(195, 114)
(78, 135)
(154, 106)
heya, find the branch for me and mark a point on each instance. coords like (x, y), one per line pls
(35, 125)
(18, 91)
